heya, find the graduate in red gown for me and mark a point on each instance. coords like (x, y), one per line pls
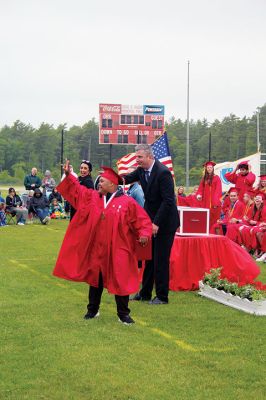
(255, 224)
(243, 179)
(261, 188)
(100, 243)
(190, 200)
(232, 231)
(210, 192)
(234, 213)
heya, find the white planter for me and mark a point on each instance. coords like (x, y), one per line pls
(256, 307)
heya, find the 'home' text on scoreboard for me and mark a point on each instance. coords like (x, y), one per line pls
(129, 124)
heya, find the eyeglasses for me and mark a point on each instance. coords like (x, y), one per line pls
(86, 161)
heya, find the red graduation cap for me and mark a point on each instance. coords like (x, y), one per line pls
(251, 193)
(212, 163)
(262, 194)
(111, 175)
(243, 163)
(262, 177)
(233, 189)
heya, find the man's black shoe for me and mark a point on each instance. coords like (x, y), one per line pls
(138, 297)
(156, 301)
(126, 320)
(91, 315)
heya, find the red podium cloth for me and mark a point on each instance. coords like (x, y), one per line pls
(191, 257)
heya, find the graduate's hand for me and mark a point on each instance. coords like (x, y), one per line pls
(199, 197)
(143, 240)
(66, 168)
(155, 229)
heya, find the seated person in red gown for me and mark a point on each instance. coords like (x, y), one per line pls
(181, 191)
(210, 192)
(233, 213)
(255, 224)
(190, 200)
(261, 188)
(243, 179)
(233, 228)
(101, 241)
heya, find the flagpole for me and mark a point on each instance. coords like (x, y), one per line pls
(210, 146)
(187, 149)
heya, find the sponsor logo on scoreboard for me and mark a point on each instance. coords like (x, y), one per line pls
(110, 108)
(158, 110)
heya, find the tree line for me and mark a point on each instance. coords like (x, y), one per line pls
(22, 146)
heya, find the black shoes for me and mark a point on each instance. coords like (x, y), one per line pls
(91, 315)
(126, 320)
(156, 301)
(138, 297)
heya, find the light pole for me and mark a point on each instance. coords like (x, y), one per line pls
(187, 148)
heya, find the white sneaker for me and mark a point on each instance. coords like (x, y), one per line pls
(46, 220)
(20, 223)
(262, 258)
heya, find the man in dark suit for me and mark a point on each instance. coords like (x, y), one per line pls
(158, 187)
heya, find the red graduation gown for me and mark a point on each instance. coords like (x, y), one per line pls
(242, 182)
(232, 231)
(248, 232)
(211, 197)
(101, 239)
(237, 211)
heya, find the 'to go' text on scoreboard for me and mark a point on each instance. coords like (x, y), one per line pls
(130, 124)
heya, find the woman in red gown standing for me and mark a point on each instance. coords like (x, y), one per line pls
(210, 192)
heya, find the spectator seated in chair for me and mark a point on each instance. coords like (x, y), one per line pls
(39, 205)
(15, 207)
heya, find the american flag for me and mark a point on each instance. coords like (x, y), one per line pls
(126, 162)
(160, 150)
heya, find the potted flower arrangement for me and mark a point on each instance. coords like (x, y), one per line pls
(247, 298)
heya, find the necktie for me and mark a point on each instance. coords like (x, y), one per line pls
(147, 175)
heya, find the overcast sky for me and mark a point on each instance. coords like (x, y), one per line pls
(61, 58)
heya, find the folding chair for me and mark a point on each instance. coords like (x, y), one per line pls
(11, 218)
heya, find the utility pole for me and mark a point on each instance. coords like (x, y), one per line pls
(187, 149)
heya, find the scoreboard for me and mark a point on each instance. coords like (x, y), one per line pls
(130, 124)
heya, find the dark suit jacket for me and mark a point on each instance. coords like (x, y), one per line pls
(160, 202)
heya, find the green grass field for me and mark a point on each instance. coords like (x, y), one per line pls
(192, 348)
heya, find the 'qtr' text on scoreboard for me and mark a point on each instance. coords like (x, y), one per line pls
(130, 124)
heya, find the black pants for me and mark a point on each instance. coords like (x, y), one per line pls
(157, 270)
(95, 294)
